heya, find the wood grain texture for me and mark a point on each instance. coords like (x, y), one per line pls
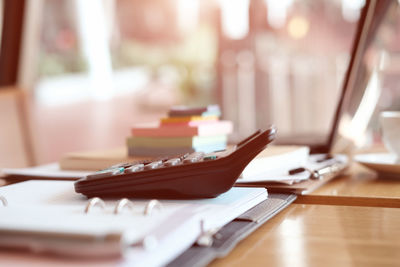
(384, 202)
(360, 187)
(321, 235)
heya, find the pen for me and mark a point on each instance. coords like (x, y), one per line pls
(317, 173)
(313, 173)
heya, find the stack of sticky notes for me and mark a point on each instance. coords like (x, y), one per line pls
(184, 130)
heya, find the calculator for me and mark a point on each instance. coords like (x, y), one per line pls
(195, 175)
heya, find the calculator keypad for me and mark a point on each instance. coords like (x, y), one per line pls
(106, 173)
(137, 166)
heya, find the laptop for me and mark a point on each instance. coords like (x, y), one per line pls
(325, 162)
(354, 82)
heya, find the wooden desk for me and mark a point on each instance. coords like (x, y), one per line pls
(361, 187)
(320, 235)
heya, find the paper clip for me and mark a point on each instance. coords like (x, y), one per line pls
(94, 202)
(122, 204)
(154, 203)
(4, 201)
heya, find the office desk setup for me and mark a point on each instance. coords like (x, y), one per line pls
(346, 219)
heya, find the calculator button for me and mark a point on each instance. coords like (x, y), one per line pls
(210, 157)
(134, 168)
(191, 160)
(184, 156)
(143, 161)
(121, 165)
(172, 162)
(153, 165)
(194, 157)
(106, 173)
(220, 151)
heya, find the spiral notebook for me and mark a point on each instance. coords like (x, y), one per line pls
(48, 216)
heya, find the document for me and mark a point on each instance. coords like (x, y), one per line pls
(48, 171)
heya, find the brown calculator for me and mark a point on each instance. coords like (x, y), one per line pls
(195, 175)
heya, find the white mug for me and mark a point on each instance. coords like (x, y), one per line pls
(390, 123)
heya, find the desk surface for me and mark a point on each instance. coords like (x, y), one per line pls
(321, 235)
(360, 187)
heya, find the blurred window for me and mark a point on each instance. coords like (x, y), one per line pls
(286, 65)
(263, 61)
(164, 49)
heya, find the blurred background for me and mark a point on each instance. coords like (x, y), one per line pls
(90, 69)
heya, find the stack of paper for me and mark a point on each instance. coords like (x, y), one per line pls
(184, 130)
(274, 163)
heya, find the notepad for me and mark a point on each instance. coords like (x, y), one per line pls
(194, 128)
(187, 119)
(168, 142)
(49, 216)
(50, 171)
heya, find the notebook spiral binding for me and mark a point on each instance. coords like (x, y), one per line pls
(4, 201)
(119, 207)
(96, 201)
(122, 203)
(151, 205)
(148, 242)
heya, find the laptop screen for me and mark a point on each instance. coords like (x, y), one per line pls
(373, 81)
(317, 110)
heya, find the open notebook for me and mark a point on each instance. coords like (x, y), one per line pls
(49, 216)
